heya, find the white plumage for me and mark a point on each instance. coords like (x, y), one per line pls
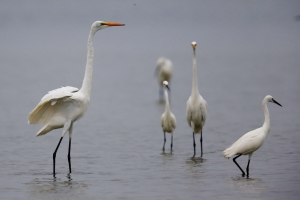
(63, 106)
(163, 71)
(196, 106)
(252, 140)
(168, 120)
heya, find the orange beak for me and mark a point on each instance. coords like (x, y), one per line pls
(113, 24)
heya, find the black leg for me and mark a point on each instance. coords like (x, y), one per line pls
(201, 144)
(194, 144)
(248, 168)
(54, 156)
(243, 173)
(69, 155)
(171, 142)
(164, 141)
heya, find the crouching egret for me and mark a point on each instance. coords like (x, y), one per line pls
(168, 120)
(252, 140)
(163, 71)
(60, 108)
(196, 106)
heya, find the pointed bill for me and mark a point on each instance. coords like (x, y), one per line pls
(113, 24)
(276, 102)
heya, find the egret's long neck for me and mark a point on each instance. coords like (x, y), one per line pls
(167, 109)
(195, 91)
(87, 81)
(266, 124)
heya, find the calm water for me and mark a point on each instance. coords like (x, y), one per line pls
(245, 51)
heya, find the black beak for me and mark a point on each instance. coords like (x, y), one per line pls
(167, 87)
(276, 102)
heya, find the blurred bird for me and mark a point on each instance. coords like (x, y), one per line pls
(252, 140)
(196, 106)
(163, 71)
(168, 120)
(60, 108)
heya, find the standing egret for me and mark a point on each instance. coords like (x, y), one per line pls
(61, 107)
(196, 106)
(168, 120)
(252, 140)
(163, 71)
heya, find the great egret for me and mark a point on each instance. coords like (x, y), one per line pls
(252, 140)
(61, 107)
(168, 120)
(163, 71)
(196, 106)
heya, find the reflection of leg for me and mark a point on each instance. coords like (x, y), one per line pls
(194, 144)
(201, 144)
(164, 141)
(243, 173)
(171, 142)
(248, 168)
(54, 155)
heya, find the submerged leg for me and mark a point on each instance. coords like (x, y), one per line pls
(248, 168)
(201, 144)
(171, 142)
(54, 155)
(69, 152)
(243, 173)
(164, 141)
(194, 143)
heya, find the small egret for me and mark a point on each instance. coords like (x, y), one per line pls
(252, 140)
(60, 108)
(168, 120)
(163, 72)
(196, 106)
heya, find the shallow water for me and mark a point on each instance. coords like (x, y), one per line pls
(245, 52)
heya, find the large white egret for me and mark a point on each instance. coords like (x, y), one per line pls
(61, 107)
(196, 106)
(168, 120)
(163, 71)
(252, 140)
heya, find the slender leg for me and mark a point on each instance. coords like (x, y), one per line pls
(194, 144)
(201, 144)
(54, 155)
(171, 142)
(243, 173)
(248, 168)
(164, 141)
(70, 139)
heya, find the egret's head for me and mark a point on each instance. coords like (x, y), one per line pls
(269, 98)
(98, 25)
(166, 84)
(194, 44)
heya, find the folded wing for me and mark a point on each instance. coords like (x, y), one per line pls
(50, 99)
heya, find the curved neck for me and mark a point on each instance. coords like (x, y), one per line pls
(267, 116)
(167, 109)
(195, 90)
(87, 80)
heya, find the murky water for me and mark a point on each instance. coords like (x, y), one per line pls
(245, 51)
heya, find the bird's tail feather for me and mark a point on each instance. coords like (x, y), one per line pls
(229, 152)
(45, 129)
